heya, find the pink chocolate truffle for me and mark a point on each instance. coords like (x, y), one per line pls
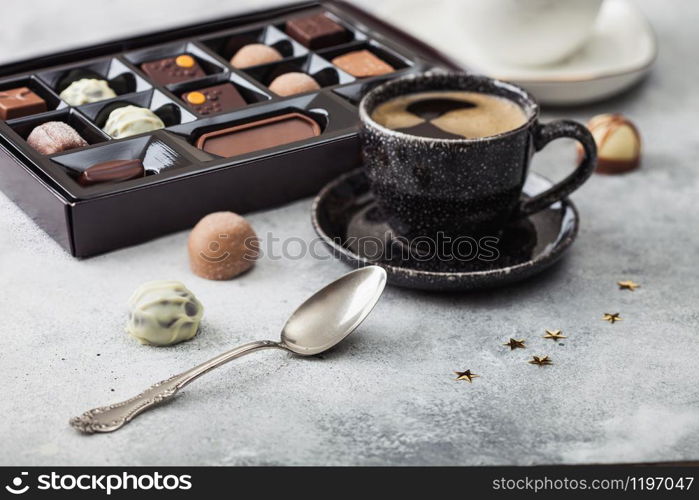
(293, 83)
(254, 54)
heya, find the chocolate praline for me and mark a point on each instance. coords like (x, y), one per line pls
(618, 143)
(293, 83)
(317, 31)
(258, 135)
(87, 90)
(163, 313)
(221, 246)
(111, 171)
(214, 99)
(55, 137)
(22, 101)
(126, 121)
(362, 64)
(254, 54)
(173, 69)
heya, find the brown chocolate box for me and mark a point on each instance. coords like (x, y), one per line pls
(89, 220)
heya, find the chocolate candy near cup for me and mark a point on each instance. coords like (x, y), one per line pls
(618, 143)
(111, 171)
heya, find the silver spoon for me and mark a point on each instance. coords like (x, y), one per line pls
(321, 322)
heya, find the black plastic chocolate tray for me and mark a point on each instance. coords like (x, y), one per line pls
(182, 182)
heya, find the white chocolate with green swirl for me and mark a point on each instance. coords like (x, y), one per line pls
(87, 90)
(163, 313)
(131, 120)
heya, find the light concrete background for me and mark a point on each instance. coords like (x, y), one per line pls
(616, 393)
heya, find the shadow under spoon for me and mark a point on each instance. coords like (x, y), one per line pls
(321, 322)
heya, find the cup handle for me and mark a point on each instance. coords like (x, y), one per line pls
(547, 132)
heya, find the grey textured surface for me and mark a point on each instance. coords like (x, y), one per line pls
(623, 392)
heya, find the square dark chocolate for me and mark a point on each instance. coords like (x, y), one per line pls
(317, 31)
(215, 99)
(15, 103)
(173, 69)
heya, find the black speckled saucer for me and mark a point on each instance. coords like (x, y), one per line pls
(345, 212)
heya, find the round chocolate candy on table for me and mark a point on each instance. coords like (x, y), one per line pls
(293, 83)
(163, 313)
(618, 143)
(254, 54)
(221, 246)
(55, 137)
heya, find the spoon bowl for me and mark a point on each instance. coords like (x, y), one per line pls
(333, 312)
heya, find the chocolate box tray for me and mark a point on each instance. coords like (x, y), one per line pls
(182, 182)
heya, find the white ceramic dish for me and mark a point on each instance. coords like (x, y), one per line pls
(620, 51)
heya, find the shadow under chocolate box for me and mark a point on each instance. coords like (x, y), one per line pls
(184, 83)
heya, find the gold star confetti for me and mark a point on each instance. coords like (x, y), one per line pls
(540, 360)
(467, 375)
(515, 344)
(612, 318)
(554, 335)
(627, 285)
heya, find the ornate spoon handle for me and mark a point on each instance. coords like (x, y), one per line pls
(115, 416)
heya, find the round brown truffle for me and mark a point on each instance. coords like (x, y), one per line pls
(293, 83)
(254, 54)
(221, 246)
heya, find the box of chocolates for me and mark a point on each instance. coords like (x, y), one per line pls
(114, 144)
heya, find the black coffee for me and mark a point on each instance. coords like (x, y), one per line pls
(450, 114)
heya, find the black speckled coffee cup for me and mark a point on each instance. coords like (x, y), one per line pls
(425, 186)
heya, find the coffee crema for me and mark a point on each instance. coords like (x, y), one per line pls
(450, 114)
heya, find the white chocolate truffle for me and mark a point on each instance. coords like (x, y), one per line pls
(254, 54)
(618, 143)
(131, 120)
(293, 83)
(87, 90)
(221, 246)
(163, 313)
